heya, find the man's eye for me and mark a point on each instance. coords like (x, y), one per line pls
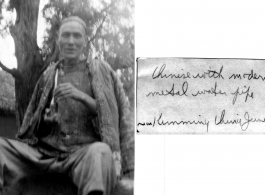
(77, 35)
(65, 35)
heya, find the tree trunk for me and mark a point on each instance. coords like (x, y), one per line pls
(29, 58)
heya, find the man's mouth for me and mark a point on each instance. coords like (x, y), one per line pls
(70, 49)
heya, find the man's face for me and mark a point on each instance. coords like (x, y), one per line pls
(71, 40)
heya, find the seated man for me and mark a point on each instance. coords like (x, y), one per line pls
(76, 123)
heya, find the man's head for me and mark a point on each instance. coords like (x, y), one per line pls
(72, 38)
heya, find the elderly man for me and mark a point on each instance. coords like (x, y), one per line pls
(76, 122)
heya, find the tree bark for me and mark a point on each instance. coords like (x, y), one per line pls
(29, 58)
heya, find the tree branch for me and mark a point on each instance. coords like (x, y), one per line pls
(14, 72)
(98, 29)
(100, 26)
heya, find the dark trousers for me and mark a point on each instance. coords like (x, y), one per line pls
(91, 167)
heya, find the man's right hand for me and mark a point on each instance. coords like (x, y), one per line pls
(51, 118)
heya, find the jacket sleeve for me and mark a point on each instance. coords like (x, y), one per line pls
(126, 128)
(31, 117)
(28, 131)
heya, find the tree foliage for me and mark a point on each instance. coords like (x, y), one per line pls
(110, 35)
(110, 28)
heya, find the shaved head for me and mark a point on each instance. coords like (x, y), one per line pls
(72, 38)
(73, 19)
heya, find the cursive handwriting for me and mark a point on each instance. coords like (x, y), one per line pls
(162, 75)
(172, 91)
(162, 122)
(159, 73)
(249, 76)
(211, 74)
(246, 92)
(244, 123)
(148, 123)
(213, 90)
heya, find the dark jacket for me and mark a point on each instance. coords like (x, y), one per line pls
(113, 122)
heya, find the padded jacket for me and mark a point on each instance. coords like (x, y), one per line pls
(112, 120)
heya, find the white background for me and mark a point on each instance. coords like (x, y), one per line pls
(200, 164)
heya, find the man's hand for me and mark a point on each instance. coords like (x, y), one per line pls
(67, 90)
(51, 118)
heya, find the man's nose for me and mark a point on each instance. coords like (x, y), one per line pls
(71, 40)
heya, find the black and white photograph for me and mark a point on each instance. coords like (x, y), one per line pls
(123, 97)
(67, 97)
